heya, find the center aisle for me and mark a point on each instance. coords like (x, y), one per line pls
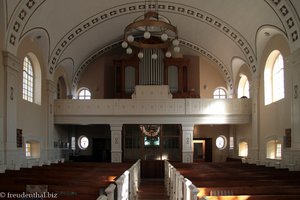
(152, 189)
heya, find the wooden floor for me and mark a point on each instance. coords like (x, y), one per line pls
(152, 189)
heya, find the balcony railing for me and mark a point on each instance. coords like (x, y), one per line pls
(237, 109)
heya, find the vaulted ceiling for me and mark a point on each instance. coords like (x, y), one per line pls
(72, 33)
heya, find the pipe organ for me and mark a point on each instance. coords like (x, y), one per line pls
(151, 71)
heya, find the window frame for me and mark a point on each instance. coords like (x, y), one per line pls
(274, 90)
(28, 80)
(219, 95)
(243, 87)
(219, 139)
(245, 151)
(272, 149)
(28, 149)
(84, 96)
(80, 142)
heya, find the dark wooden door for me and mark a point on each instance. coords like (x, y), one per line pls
(208, 149)
(101, 149)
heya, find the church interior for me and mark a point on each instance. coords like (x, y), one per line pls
(198, 85)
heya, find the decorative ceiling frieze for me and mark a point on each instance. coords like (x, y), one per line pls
(163, 6)
(285, 12)
(25, 9)
(18, 22)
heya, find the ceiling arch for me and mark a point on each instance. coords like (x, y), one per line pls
(231, 25)
(180, 9)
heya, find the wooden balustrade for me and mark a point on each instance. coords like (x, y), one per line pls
(177, 186)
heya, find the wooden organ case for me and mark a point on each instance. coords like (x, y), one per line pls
(174, 72)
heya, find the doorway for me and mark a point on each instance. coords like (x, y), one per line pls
(199, 150)
(101, 149)
(202, 149)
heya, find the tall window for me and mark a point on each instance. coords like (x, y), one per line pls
(219, 93)
(28, 149)
(28, 78)
(73, 143)
(274, 149)
(278, 79)
(84, 94)
(243, 88)
(231, 142)
(243, 149)
(274, 78)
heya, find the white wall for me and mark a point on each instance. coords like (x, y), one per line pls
(2, 96)
(31, 117)
(275, 117)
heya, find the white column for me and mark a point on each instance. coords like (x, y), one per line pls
(187, 143)
(253, 151)
(116, 143)
(51, 91)
(12, 67)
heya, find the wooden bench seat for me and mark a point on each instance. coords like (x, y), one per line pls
(69, 180)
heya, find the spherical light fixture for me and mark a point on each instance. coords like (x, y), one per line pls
(164, 37)
(147, 35)
(154, 56)
(124, 44)
(140, 55)
(168, 54)
(175, 42)
(129, 50)
(130, 38)
(177, 49)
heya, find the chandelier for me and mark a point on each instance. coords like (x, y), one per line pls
(151, 31)
(150, 130)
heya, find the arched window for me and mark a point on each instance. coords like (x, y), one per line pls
(61, 90)
(274, 78)
(84, 94)
(243, 149)
(274, 149)
(243, 88)
(278, 78)
(32, 79)
(219, 93)
(28, 78)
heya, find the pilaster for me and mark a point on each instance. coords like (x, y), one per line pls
(12, 66)
(116, 143)
(187, 143)
(292, 62)
(51, 90)
(253, 152)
